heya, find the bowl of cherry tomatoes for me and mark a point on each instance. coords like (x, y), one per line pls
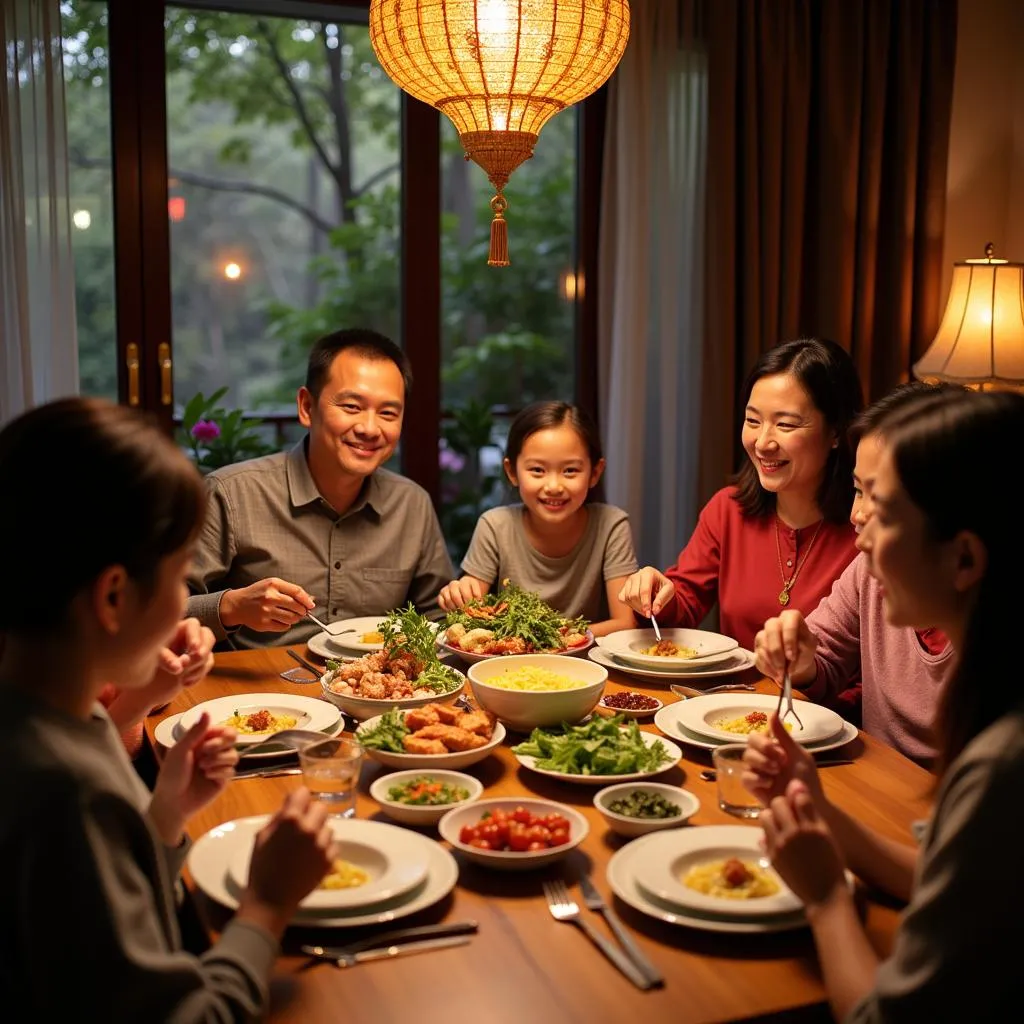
(514, 833)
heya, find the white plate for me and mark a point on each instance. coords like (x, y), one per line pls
(310, 712)
(698, 714)
(167, 734)
(649, 739)
(209, 858)
(739, 660)
(319, 645)
(622, 877)
(667, 720)
(350, 642)
(627, 645)
(661, 865)
(460, 759)
(569, 652)
(382, 851)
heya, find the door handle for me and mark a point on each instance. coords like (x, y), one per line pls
(132, 362)
(163, 354)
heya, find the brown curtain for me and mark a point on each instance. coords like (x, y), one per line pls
(829, 133)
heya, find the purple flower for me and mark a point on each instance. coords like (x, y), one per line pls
(451, 461)
(206, 430)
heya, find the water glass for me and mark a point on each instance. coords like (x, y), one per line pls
(330, 770)
(733, 797)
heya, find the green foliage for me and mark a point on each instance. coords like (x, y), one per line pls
(218, 437)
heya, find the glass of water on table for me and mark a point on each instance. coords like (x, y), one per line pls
(330, 770)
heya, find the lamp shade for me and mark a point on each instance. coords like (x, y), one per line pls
(981, 337)
(499, 69)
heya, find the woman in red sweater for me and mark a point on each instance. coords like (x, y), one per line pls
(780, 536)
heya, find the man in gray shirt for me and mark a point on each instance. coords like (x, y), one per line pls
(322, 526)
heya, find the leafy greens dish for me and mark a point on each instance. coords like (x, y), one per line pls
(408, 665)
(512, 621)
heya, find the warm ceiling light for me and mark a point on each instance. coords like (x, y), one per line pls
(232, 271)
(981, 338)
(499, 69)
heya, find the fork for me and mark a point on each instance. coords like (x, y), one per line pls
(564, 908)
(654, 626)
(692, 691)
(786, 694)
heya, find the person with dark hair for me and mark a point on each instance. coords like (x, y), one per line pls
(901, 671)
(323, 526)
(82, 842)
(575, 554)
(944, 544)
(780, 536)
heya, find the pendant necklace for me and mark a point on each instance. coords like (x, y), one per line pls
(787, 584)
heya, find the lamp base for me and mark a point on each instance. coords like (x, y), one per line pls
(498, 153)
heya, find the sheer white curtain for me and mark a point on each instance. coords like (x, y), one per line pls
(38, 348)
(651, 276)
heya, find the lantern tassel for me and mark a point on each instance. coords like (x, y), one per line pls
(498, 256)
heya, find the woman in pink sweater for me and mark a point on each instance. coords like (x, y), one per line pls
(900, 670)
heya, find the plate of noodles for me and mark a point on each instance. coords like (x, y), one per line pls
(255, 716)
(372, 863)
(735, 716)
(717, 869)
(678, 649)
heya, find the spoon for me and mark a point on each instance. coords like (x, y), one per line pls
(294, 738)
(691, 691)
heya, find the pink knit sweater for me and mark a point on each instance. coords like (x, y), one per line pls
(901, 681)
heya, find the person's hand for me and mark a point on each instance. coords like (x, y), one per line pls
(267, 606)
(460, 592)
(191, 774)
(773, 760)
(801, 846)
(186, 659)
(787, 641)
(647, 591)
(293, 852)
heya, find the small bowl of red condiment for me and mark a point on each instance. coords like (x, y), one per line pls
(630, 703)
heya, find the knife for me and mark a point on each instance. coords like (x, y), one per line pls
(402, 949)
(266, 773)
(709, 774)
(595, 901)
(426, 931)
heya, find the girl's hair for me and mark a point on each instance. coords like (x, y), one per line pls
(868, 421)
(87, 485)
(826, 372)
(544, 416)
(950, 452)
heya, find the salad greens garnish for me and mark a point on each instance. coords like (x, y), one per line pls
(603, 746)
(387, 734)
(513, 611)
(406, 632)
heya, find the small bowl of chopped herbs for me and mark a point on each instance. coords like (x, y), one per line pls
(636, 808)
(421, 797)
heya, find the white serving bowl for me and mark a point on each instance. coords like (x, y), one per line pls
(413, 814)
(687, 803)
(506, 860)
(569, 652)
(362, 708)
(527, 709)
(421, 762)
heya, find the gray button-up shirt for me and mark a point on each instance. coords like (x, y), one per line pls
(267, 518)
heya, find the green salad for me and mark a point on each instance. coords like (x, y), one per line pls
(514, 612)
(604, 746)
(387, 734)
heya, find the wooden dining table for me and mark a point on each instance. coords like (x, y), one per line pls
(522, 965)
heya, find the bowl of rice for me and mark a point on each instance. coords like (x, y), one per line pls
(526, 691)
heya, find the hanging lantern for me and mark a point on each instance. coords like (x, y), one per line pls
(499, 69)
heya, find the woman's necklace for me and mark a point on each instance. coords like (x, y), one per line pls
(787, 585)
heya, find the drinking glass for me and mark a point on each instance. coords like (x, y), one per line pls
(733, 797)
(330, 770)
